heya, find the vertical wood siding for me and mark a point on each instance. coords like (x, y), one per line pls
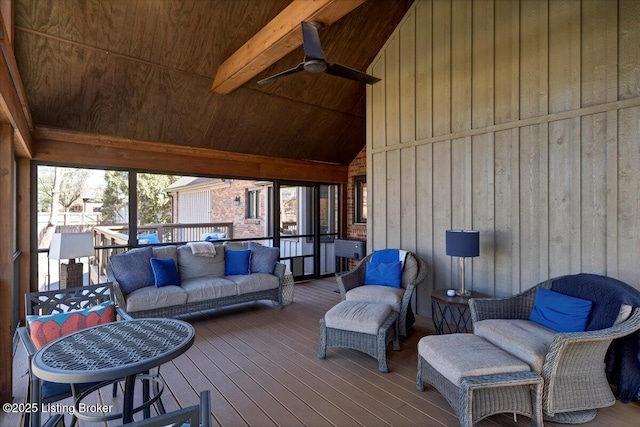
(520, 119)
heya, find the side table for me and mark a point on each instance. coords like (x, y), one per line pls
(451, 314)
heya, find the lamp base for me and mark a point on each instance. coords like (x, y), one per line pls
(70, 275)
(463, 293)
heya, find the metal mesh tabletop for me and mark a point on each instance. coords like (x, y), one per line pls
(113, 350)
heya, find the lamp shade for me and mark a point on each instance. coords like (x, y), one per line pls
(71, 245)
(463, 243)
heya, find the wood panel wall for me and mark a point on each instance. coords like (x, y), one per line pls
(520, 119)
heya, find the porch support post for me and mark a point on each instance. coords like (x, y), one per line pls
(7, 162)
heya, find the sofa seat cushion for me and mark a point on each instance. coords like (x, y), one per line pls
(190, 265)
(524, 339)
(208, 287)
(377, 294)
(456, 356)
(150, 298)
(255, 282)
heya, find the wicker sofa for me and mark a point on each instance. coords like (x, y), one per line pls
(203, 284)
(570, 363)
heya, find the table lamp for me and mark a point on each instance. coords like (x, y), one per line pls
(463, 244)
(71, 246)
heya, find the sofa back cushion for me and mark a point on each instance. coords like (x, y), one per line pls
(169, 251)
(190, 266)
(263, 258)
(132, 269)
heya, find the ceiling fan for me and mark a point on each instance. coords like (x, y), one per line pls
(314, 61)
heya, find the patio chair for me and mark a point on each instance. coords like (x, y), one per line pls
(196, 415)
(414, 270)
(52, 302)
(572, 364)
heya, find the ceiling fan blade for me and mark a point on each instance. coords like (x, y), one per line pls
(297, 69)
(311, 41)
(350, 73)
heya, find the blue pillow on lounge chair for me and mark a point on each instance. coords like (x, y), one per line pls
(384, 274)
(560, 312)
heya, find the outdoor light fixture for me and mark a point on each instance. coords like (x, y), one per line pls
(237, 200)
(71, 246)
(463, 244)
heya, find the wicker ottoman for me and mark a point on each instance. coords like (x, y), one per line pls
(478, 379)
(360, 326)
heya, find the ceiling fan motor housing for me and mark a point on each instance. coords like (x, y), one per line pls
(315, 66)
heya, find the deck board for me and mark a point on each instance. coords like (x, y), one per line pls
(262, 369)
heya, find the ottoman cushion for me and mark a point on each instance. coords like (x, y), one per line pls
(457, 356)
(357, 316)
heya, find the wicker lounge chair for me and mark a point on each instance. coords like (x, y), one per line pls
(575, 382)
(415, 270)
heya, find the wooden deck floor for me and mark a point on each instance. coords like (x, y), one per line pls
(261, 367)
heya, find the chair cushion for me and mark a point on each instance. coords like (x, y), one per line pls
(560, 312)
(165, 272)
(524, 339)
(263, 258)
(132, 269)
(457, 356)
(377, 294)
(255, 282)
(50, 390)
(46, 328)
(357, 316)
(208, 287)
(148, 239)
(150, 298)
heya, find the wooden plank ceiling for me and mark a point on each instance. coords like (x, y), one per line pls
(144, 69)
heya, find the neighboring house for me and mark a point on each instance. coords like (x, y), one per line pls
(214, 200)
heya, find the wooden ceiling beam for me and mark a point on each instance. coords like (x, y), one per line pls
(87, 149)
(275, 40)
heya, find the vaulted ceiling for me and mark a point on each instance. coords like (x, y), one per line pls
(143, 69)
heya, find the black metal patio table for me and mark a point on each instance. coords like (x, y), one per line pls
(112, 352)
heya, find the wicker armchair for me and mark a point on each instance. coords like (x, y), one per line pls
(575, 382)
(415, 271)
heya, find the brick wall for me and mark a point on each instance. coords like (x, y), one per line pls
(355, 231)
(225, 208)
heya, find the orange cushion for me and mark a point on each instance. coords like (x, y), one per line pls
(47, 328)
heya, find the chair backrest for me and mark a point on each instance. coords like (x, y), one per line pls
(196, 415)
(63, 300)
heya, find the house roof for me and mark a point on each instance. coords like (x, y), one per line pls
(144, 70)
(190, 182)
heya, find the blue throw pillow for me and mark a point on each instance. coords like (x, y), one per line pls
(236, 262)
(263, 258)
(132, 269)
(560, 312)
(165, 272)
(384, 273)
